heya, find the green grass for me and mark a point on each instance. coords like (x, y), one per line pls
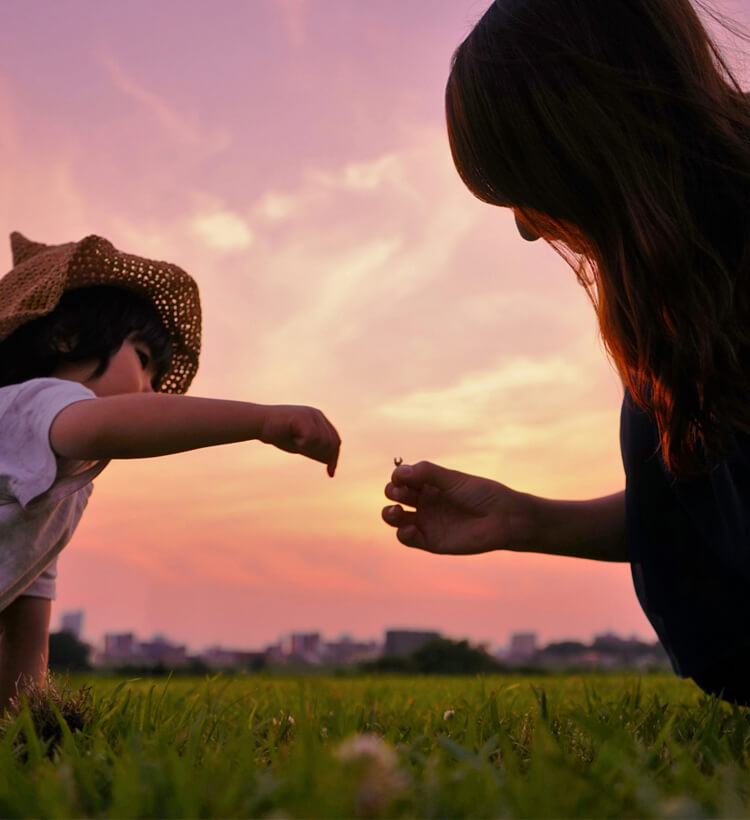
(584, 746)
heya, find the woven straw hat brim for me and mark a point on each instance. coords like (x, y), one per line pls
(42, 273)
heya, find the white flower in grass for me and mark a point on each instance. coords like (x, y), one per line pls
(291, 720)
(381, 781)
(448, 713)
(370, 747)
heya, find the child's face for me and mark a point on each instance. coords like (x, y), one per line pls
(130, 370)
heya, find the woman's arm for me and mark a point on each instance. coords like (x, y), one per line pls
(460, 514)
(594, 528)
(142, 425)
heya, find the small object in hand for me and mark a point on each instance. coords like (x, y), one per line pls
(398, 461)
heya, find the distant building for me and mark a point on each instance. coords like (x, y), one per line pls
(522, 647)
(72, 622)
(119, 645)
(611, 640)
(304, 646)
(219, 657)
(347, 650)
(564, 653)
(406, 641)
(159, 650)
(123, 649)
(274, 653)
(607, 651)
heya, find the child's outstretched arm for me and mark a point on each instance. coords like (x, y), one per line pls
(143, 425)
(460, 514)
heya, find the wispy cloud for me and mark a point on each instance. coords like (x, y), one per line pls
(362, 241)
(382, 176)
(367, 176)
(223, 230)
(293, 16)
(276, 207)
(463, 404)
(40, 195)
(174, 124)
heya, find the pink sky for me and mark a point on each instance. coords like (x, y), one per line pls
(291, 155)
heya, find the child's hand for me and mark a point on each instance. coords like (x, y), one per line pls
(302, 430)
(454, 513)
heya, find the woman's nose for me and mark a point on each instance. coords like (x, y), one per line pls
(526, 232)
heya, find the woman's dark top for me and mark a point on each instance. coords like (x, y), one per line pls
(689, 550)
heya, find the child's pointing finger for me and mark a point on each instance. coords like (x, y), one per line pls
(333, 457)
(334, 460)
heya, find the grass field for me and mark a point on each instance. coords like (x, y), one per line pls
(590, 746)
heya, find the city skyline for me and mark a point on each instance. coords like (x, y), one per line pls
(424, 652)
(74, 621)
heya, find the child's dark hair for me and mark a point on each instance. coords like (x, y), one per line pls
(88, 324)
(619, 134)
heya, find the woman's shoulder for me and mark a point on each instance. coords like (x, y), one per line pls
(639, 435)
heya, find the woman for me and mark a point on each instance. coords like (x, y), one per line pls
(617, 132)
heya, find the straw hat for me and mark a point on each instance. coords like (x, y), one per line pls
(42, 273)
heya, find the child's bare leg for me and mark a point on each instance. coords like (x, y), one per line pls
(24, 645)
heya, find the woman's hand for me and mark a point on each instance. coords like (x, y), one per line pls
(303, 430)
(455, 513)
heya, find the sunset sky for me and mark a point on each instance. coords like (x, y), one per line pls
(292, 156)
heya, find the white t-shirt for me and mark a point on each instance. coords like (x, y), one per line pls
(42, 497)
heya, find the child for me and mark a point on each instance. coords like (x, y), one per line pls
(615, 131)
(96, 349)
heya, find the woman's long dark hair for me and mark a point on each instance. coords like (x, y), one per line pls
(617, 131)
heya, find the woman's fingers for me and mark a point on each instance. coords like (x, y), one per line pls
(410, 536)
(402, 494)
(407, 531)
(395, 515)
(424, 472)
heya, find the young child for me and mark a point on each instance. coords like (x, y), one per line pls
(615, 131)
(96, 349)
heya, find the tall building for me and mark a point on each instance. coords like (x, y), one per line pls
(347, 650)
(120, 646)
(406, 641)
(124, 648)
(522, 646)
(72, 622)
(304, 645)
(161, 650)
